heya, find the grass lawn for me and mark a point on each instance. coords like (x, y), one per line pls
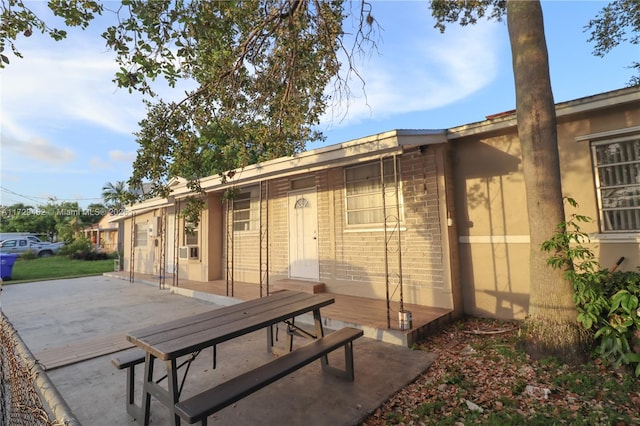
(54, 267)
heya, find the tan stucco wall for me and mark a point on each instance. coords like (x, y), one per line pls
(209, 265)
(212, 237)
(492, 224)
(492, 210)
(126, 245)
(576, 164)
(147, 259)
(144, 257)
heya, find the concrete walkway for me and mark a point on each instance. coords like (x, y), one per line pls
(52, 314)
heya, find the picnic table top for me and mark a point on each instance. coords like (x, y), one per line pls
(170, 340)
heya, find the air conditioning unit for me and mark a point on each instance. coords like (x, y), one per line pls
(189, 252)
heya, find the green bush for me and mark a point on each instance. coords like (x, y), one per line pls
(82, 249)
(607, 302)
(28, 255)
(90, 255)
(79, 245)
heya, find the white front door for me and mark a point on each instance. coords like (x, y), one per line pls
(303, 235)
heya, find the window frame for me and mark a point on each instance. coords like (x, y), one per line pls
(141, 234)
(605, 226)
(188, 238)
(253, 210)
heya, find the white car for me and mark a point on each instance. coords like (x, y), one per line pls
(20, 245)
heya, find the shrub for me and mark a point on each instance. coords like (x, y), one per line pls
(90, 255)
(607, 302)
(28, 255)
(79, 245)
(82, 249)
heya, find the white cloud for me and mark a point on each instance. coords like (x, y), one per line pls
(60, 90)
(64, 87)
(98, 163)
(40, 150)
(425, 70)
(11, 131)
(117, 155)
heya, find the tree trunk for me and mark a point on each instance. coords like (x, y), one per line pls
(551, 327)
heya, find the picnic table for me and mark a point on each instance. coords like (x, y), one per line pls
(187, 336)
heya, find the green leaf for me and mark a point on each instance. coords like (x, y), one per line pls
(617, 300)
(632, 357)
(602, 332)
(630, 303)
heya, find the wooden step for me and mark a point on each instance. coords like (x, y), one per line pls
(52, 358)
(310, 287)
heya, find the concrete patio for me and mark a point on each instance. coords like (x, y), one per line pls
(89, 317)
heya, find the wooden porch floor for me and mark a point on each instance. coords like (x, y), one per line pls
(365, 313)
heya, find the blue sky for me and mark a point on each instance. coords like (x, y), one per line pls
(66, 129)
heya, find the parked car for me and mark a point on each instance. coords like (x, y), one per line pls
(20, 245)
(9, 235)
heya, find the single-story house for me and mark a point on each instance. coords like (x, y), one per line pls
(104, 235)
(427, 217)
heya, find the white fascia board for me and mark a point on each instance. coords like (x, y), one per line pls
(482, 127)
(596, 102)
(591, 103)
(351, 152)
(115, 228)
(609, 134)
(150, 204)
(146, 206)
(175, 181)
(421, 137)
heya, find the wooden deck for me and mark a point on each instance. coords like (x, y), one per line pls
(371, 315)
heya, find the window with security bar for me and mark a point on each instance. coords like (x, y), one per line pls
(617, 164)
(366, 199)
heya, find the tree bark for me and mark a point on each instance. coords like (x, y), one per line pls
(551, 327)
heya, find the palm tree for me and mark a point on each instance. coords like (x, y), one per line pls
(115, 194)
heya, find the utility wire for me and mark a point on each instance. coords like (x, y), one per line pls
(38, 199)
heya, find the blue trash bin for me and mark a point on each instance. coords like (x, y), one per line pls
(6, 265)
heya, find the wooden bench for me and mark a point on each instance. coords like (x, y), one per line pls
(199, 407)
(129, 359)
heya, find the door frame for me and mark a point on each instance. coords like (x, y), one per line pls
(311, 268)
